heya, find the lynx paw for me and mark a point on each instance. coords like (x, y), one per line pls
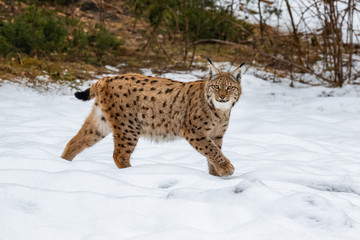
(225, 169)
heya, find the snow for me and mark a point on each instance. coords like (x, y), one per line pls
(295, 151)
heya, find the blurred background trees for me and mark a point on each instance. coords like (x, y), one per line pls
(318, 38)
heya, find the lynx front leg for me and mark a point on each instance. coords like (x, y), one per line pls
(209, 149)
(124, 145)
(93, 130)
(218, 140)
(212, 170)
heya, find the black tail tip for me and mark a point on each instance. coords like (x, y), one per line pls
(85, 95)
(209, 60)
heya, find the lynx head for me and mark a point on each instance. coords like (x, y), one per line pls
(223, 90)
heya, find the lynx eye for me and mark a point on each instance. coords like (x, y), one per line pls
(215, 87)
(230, 88)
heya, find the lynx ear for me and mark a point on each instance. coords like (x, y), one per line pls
(236, 73)
(213, 71)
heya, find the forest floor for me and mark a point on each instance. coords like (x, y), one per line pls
(140, 49)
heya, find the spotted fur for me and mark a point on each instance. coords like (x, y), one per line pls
(133, 106)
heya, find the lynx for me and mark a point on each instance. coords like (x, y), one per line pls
(133, 106)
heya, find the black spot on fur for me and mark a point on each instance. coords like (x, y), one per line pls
(176, 96)
(169, 90)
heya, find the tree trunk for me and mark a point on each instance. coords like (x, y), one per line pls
(261, 21)
(350, 32)
(186, 31)
(33, 35)
(295, 35)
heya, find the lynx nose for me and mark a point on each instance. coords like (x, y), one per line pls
(222, 99)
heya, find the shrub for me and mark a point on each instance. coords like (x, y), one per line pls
(27, 33)
(104, 40)
(79, 39)
(5, 47)
(197, 19)
(43, 31)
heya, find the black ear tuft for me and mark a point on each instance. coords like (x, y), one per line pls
(209, 60)
(85, 95)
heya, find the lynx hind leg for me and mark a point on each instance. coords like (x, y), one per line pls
(124, 145)
(93, 130)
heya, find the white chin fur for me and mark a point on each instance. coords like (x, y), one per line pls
(222, 105)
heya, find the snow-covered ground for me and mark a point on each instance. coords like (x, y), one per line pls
(296, 152)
